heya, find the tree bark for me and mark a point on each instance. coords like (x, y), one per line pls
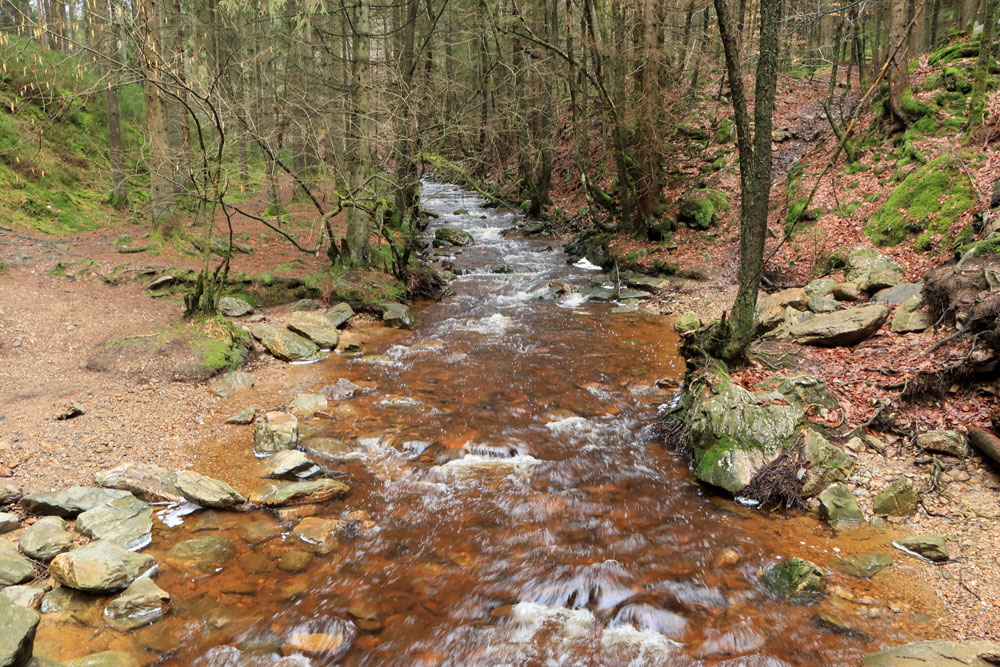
(119, 186)
(161, 191)
(899, 79)
(977, 100)
(358, 229)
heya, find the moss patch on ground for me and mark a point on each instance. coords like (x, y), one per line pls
(925, 206)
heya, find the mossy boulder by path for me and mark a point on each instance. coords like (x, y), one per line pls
(702, 209)
(925, 205)
(734, 432)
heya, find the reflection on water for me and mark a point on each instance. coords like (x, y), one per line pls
(510, 505)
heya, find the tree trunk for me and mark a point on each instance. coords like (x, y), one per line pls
(977, 99)
(119, 186)
(161, 191)
(899, 79)
(755, 166)
(357, 220)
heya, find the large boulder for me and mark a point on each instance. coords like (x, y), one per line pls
(843, 327)
(142, 603)
(734, 432)
(8, 522)
(795, 579)
(702, 209)
(284, 344)
(233, 306)
(909, 319)
(14, 568)
(70, 502)
(936, 653)
(450, 235)
(46, 538)
(316, 327)
(338, 315)
(26, 596)
(278, 493)
(149, 482)
(872, 271)
(897, 294)
(771, 308)
(17, 633)
(275, 432)
(208, 492)
(802, 390)
(825, 464)
(99, 567)
(396, 314)
(126, 521)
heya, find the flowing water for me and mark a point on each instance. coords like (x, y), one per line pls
(511, 504)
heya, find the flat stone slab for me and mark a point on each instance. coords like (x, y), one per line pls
(316, 327)
(936, 653)
(14, 568)
(865, 565)
(320, 536)
(338, 315)
(208, 492)
(8, 522)
(843, 327)
(17, 632)
(142, 603)
(100, 567)
(26, 596)
(287, 464)
(278, 493)
(284, 344)
(149, 482)
(125, 521)
(70, 502)
(205, 555)
(275, 432)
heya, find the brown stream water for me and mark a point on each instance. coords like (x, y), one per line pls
(520, 509)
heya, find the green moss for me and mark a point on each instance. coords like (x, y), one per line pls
(701, 209)
(914, 107)
(951, 52)
(955, 79)
(725, 132)
(925, 204)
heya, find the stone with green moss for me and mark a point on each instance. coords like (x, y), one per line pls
(795, 579)
(687, 323)
(734, 432)
(925, 205)
(284, 344)
(702, 208)
(726, 131)
(871, 271)
(897, 499)
(839, 507)
(802, 390)
(826, 464)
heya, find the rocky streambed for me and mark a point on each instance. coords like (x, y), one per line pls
(482, 481)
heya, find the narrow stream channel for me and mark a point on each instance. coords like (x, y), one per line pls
(510, 505)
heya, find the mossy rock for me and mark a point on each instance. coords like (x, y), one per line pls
(726, 131)
(955, 79)
(795, 579)
(926, 204)
(702, 208)
(734, 432)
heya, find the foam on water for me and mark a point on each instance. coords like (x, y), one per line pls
(529, 617)
(472, 467)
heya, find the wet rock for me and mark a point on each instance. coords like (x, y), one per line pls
(276, 432)
(232, 383)
(26, 596)
(937, 653)
(839, 507)
(37, 661)
(837, 626)
(319, 535)
(258, 532)
(687, 323)
(844, 327)
(296, 513)
(294, 561)
(9, 492)
(305, 305)
(333, 450)
(126, 521)
(734, 432)
(872, 271)
(450, 235)
(897, 294)
(952, 443)
(243, 417)
(68, 604)
(931, 547)
(232, 306)
(795, 579)
(208, 492)
(46, 538)
(8, 522)
(306, 404)
(826, 464)
(897, 499)
(17, 633)
(70, 502)
(726, 559)
(338, 315)
(327, 647)
(819, 288)
(396, 315)
(99, 567)
(648, 284)
(147, 481)
(255, 563)
(284, 344)
(865, 565)
(847, 292)
(316, 327)
(289, 463)
(142, 603)
(105, 659)
(215, 521)
(14, 568)
(204, 555)
(278, 493)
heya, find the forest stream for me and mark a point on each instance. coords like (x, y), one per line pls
(511, 503)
